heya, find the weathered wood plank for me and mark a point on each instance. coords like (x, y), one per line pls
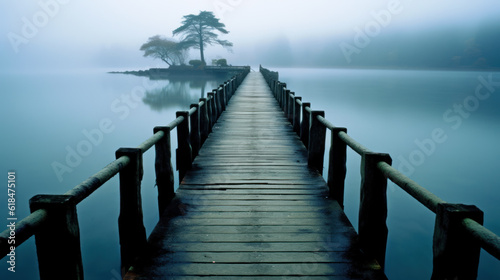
(263, 269)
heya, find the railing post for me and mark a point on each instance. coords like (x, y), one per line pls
(456, 255)
(229, 91)
(59, 238)
(290, 106)
(184, 152)
(130, 222)
(286, 94)
(373, 207)
(204, 121)
(304, 126)
(317, 136)
(221, 91)
(195, 131)
(337, 166)
(163, 169)
(217, 102)
(296, 115)
(213, 118)
(282, 95)
(233, 87)
(275, 89)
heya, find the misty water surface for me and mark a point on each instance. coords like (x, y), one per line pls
(46, 116)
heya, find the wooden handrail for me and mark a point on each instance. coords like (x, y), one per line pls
(471, 227)
(490, 242)
(40, 217)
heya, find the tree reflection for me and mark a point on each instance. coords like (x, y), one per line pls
(178, 93)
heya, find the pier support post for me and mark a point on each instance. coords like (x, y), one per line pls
(163, 169)
(304, 126)
(282, 95)
(317, 136)
(184, 151)
(275, 89)
(130, 222)
(204, 121)
(456, 255)
(59, 237)
(218, 102)
(286, 94)
(373, 206)
(221, 91)
(337, 166)
(296, 115)
(213, 108)
(290, 106)
(194, 120)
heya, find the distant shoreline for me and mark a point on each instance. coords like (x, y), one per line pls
(183, 71)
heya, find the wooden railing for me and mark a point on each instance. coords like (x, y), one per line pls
(54, 221)
(458, 233)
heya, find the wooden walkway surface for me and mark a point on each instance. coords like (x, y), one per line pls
(252, 209)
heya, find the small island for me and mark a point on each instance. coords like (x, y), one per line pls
(198, 32)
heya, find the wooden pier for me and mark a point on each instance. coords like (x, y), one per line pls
(251, 207)
(252, 202)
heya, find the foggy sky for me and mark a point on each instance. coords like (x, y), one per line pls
(77, 34)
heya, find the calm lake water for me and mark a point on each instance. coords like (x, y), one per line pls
(60, 128)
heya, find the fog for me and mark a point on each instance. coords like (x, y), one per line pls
(52, 34)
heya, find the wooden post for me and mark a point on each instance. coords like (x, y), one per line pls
(218, 102)
(163, 169)
(275, 89)
(282, 95)
(194, 120)
(278, 89)
(456, 254)
(227, 90)
(221, 91)
(213, 118)
(286, 94)
(278, 93)
(317, 136)
(209, 114)
(204, 121)
(337, 166)
(304, 126)
(58, 241)
(130, 222)
(233, 88)
(373, 207)
(290, 107)
(184, 151)
(296, 115)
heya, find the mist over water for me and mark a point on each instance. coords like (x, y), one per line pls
(385, 110)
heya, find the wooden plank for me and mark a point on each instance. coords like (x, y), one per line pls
(253, 191)
(259, 229)
(262, 269)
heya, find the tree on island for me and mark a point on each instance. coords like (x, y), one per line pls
(199, 32)
(167, 50)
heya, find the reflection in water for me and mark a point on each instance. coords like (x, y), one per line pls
(178, 93)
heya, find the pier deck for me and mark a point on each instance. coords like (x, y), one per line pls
(251, 208)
